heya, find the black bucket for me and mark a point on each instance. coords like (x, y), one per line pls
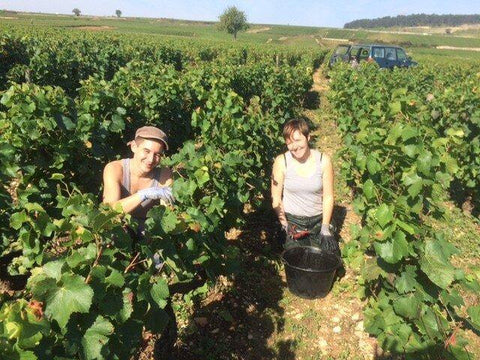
(310, 271)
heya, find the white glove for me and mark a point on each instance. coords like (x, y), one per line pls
(157, 193)
(325, 230)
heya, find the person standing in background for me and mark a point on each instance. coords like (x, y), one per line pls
(302, 191)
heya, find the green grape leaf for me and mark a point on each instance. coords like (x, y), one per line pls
(17, 219)
(121, 110)
(191, 245)
(57, 176)
(369, 189)
(452, 298)
(127, 309)
(410, 150)
(96, 338)
(202, 175)
(432, 324)
(371, 270)
(83, 255)
(435, 264)
(459, 352)
(19, 321)
(474, 313)
(160, 292)
(395, 107)
(374, 321)
(67, 122)
(414, 183)
(407, 306)
(118, 124)
(384, 215)
(169, 221)
(26, 355)
(115, 278)
(409, 132)
(69, 295)
(394, 250)
(424, 162)
(406, 282)
(451, 164)
(373, 165)
(53, 269)
(408, 228)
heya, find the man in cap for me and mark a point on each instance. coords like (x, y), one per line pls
(137, 184)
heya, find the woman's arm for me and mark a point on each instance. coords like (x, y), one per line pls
(328, 197)
(278, 177)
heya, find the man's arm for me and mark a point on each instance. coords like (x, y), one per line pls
(112, 175)
(278, 177)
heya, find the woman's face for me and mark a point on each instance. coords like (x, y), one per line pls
(297, 144)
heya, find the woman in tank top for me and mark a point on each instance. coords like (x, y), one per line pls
(302, 191)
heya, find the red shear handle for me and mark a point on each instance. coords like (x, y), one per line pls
(300, 234)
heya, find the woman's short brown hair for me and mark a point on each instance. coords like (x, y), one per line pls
(293, 125)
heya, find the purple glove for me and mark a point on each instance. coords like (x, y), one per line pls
(157, 193)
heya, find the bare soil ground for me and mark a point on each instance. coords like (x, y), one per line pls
(254, 316)
(94, 28)
(257, 30)
(457, 48)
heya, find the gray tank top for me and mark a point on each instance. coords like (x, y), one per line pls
(303, 195)
(141, 211)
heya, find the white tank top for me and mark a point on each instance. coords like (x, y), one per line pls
(303, 195)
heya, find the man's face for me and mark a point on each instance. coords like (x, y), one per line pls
(147, 154)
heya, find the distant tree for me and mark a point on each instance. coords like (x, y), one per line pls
(414, 20)
(232, 21)
(118, 13)
(76, 11)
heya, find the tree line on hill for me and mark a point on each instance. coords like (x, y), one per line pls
(414, 20)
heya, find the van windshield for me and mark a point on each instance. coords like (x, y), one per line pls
(401, 55)
(341, 50)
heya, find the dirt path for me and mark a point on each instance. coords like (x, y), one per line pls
(254, 315)
(457, 48)
(257, 30)
(338, 331)
(94, 28)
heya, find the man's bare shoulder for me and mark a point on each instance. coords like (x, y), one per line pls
(114, 169)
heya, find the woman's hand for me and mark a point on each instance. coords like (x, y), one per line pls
(325, 230)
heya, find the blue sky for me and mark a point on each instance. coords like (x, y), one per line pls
(330, 13)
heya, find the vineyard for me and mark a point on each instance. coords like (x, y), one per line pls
(82, 288)
(408, 137)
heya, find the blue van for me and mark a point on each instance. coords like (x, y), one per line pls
(386, 56)
(339, 54)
